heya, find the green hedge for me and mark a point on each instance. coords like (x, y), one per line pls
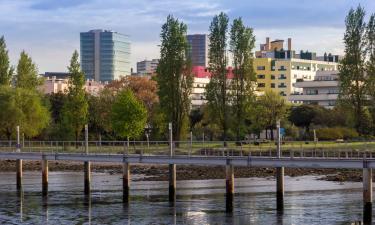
(336, 133)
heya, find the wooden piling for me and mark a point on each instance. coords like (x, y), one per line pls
(367, 195)
(87, 177)
(126, 182)
(19, 174)
(172, 182)
(229, 181)
(280, 188)
(44, 177)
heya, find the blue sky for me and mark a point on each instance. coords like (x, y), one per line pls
(49, 29)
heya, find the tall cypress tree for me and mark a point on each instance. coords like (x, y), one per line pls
(6, 71)
(27, 73)
(353, 77)
(217, 90)
(174, 76)
(75, 110)
(241, 44)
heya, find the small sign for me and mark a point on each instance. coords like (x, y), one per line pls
(282, 131)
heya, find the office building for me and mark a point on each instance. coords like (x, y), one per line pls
(105, 55)
(198, 49)
(147, 67)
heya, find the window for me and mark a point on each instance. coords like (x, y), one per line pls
(282, 68)
(261, 76)
(282, 77)
(272, 77)
(261, 68)
(272, 85)
(261, 84)
(333, 91)
(282, 85)
(312, 92)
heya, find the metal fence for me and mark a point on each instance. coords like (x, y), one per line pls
(201, 148)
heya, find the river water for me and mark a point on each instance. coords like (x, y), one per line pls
(307, 201)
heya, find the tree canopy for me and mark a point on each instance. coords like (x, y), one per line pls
(174, 76)
(27, 73)
(128, 115)
(6, 71)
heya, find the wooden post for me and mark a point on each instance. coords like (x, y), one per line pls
(44, 177)
(172, 182)
(126, 182)
(18, 162)
(87, 177)
(87, 165)
(280, 188)
(279, 173)
(229, 181)
(367, 194)
(172, 169)
(19, 174)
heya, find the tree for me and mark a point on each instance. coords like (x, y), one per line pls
(303, 116)
(273, 107)
(27, 73)
(24, 108)
(144, 89)
(241, 46)
(75, 110)
(217, 90)
(100, 111)
(370, 66)
(128, 115)
(195, 116)
(174, 76)
(6, 71)
(353, 79)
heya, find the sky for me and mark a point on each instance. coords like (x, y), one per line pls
(49, 29)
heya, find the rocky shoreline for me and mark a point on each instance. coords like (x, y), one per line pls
(160, 172)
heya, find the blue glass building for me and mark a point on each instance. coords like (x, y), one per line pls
(105, 55)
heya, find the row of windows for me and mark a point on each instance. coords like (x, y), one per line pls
(280, 77)
(273, 85)
(316, 91)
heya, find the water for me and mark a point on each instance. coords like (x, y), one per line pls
(307, 201)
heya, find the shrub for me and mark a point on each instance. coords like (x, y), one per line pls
(336, 133)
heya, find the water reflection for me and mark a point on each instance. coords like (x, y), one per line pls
(198, 202)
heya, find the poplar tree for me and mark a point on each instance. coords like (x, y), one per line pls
(242, 42)
(353, 79)
(217, 89)
(75, 110)
(371, 62)
(174, 76)
(27, 73)
(6, 71)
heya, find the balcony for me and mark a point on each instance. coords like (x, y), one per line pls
(317, 97)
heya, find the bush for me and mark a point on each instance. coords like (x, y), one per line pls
(335, 133)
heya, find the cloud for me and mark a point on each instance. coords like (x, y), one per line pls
(49, 29)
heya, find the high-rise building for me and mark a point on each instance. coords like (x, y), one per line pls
(198, 49)
(105, 55)
(147, 67)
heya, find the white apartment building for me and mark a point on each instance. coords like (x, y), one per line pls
(56, 85)
(323, 90)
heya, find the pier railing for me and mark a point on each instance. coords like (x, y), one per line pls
(200, 148)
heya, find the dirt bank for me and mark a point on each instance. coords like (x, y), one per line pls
(160, 172)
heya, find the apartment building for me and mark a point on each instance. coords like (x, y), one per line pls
(278, 69)
(323, 90)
